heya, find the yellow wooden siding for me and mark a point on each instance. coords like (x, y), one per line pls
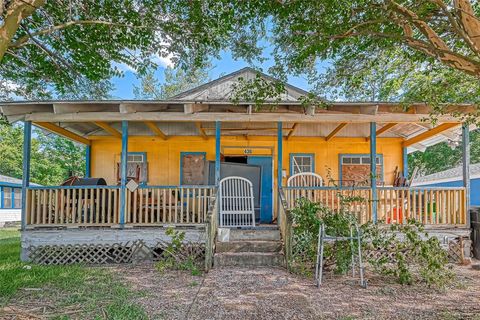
(163, 156)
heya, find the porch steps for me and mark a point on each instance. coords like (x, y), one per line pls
(250, 248)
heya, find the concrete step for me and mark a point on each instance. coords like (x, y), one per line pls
(248, 259)
(255, 234)
(249, 246)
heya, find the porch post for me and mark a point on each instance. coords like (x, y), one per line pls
(405, 162)
(279, 164)
(27, 141)
(466, 169)
(373, 168)
(123, 172)
(87, 161)
(217, 151)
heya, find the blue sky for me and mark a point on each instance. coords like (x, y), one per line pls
(226, 64)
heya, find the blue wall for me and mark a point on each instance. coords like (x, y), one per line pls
(474, 189)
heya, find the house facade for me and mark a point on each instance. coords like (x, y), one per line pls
(175, 162)
(10, 199)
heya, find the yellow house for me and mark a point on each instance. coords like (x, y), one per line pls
(158, 163)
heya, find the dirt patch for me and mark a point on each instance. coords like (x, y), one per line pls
(270, 293)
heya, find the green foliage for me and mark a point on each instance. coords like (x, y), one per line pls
(172, 257)
(53, 158)
(416, 256)
(441, 156)
(258, 91)
(307, 217)
(176, 81)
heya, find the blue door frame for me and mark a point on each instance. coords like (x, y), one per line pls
(266, 188)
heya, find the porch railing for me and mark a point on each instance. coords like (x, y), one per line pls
(91, 206)
(429, 205)
(286, 227)
(357, 200)
(168, 204)
(73, 206)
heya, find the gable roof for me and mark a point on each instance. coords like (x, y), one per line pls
(222, 89)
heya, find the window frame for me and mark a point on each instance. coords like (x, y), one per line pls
(144, 155)
(310, 155)
(341, 156)
(186, 153)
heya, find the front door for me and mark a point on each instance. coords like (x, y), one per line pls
(266, 189)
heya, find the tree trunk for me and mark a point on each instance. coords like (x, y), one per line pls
(16, 11)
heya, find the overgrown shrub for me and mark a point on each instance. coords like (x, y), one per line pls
(405, 252)
(173, 257)
(307, 217)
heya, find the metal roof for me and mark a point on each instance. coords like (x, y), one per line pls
(449, 175)
(13, 182)
(213, 101)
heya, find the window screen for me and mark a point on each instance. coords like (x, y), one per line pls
(18, 198)
(7, 197)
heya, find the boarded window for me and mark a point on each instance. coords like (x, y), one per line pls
(355, 170)
(192, 168)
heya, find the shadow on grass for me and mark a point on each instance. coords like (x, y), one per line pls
(60, 291)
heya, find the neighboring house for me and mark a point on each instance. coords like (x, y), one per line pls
(10, 199)
(453, 178)
(198, 160)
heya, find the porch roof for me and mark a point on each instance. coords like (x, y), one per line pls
(194, 112)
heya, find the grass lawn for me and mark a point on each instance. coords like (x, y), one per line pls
(60, 292)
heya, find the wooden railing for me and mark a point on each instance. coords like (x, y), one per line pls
(211, 232)
(151, 205)
(286, 227)
(356, 201)
(429, 205)
(100, 205)
(73, 206)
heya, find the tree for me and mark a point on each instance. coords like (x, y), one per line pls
(441, 156)
(53, 158)
(72, 44)
(176, 81)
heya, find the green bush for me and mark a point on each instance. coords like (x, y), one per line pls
(414, 256)
(173, 257)
(405, 252)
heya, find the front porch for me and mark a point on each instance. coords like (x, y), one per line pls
(177, 151)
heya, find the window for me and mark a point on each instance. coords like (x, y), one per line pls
(135, 157)
(18, 198)
(301, 163)
(192, 168)
(137, 167)
(358, 159)
(7, 197)
(355, 169)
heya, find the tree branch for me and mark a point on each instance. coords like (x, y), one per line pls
(15, 13)
(21, 41)
(469, 22)
(456, 27)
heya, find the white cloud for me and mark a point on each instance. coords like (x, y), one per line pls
(123, 67)
(164, 61)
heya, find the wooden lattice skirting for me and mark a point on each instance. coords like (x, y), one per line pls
(128, 252)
